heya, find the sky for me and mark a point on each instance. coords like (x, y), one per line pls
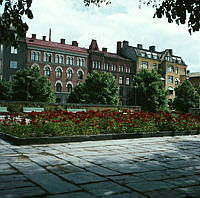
(122, 20)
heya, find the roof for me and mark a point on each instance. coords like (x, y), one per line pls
(113, 55)
(194, 74)
(55, 45)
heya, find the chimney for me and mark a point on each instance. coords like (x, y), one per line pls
(33, 36)
(44, 38)
(104, 49)
(125, 43)
(139, 46)
(152, 48)
(50, 34)
(75, 43)
(170, 51)
(119, 47)
(62, 41)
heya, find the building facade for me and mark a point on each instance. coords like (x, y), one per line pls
(194, 78)
(65, 65)
(12, 59)
(171, 67)
(121, 68)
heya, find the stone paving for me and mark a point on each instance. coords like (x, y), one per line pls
(158, 167)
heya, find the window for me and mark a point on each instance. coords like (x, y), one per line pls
(177, 81)
(167, 58)
(170, 79)
(35, 56)
(170, 68)
(13, 50)
(13, 64)
(47, 71)
(115, 68)
(80, 75)
(69, 88)
(58, 87)
(107, 67)
(127, 81)
(47, 57)
(155, 56)
(149, 54)
(176, 70)
(143, 54)
(170, 90)
(70, 60)
(58, 73)
(144, 65)
(104, 66)
(69, 74)
(120, 80)
(121, 68)
(127, 69)
(59, 59)
(154, 67)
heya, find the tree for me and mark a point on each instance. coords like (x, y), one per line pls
(148, 91)
(29, 85)
(99, 88)
(5, 90)
(186, 97)
(12, 27)
(179, 11)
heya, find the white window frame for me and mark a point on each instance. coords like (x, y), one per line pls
(13, 50)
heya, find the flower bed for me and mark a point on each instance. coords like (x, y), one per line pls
(63, 123)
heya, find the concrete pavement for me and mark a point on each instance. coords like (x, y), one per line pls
(159, 167)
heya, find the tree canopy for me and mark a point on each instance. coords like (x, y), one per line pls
(186, 97)
(147, 91)
(179, 11)
(12, 26)
(29, 85)
(5, 90)
(99, 88)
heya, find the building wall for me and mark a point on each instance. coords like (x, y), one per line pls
(42, 64)
(6, 71)
(195, 81)
(107, 63)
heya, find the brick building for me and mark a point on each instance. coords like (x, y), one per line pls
(171, 67)
(65, 65)
(121, 68)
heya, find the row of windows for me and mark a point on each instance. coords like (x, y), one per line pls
(171, 68)
(48, 57)
(171, 80)
(109, 67)
(149, 54)
(174, 59)
(59, 72)
(145, 65)
(121, 80)
(59, 87)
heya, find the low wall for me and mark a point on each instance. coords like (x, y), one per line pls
(17, 106)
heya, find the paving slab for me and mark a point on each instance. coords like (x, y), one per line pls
(140, 168)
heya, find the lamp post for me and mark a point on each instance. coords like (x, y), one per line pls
(135, 87)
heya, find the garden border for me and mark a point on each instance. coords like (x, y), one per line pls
(69, 139)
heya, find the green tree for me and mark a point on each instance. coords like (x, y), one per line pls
(99, 88)
(186, 97)
(147, 91)
(12, 26)
(29, 85)
(5, 90)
